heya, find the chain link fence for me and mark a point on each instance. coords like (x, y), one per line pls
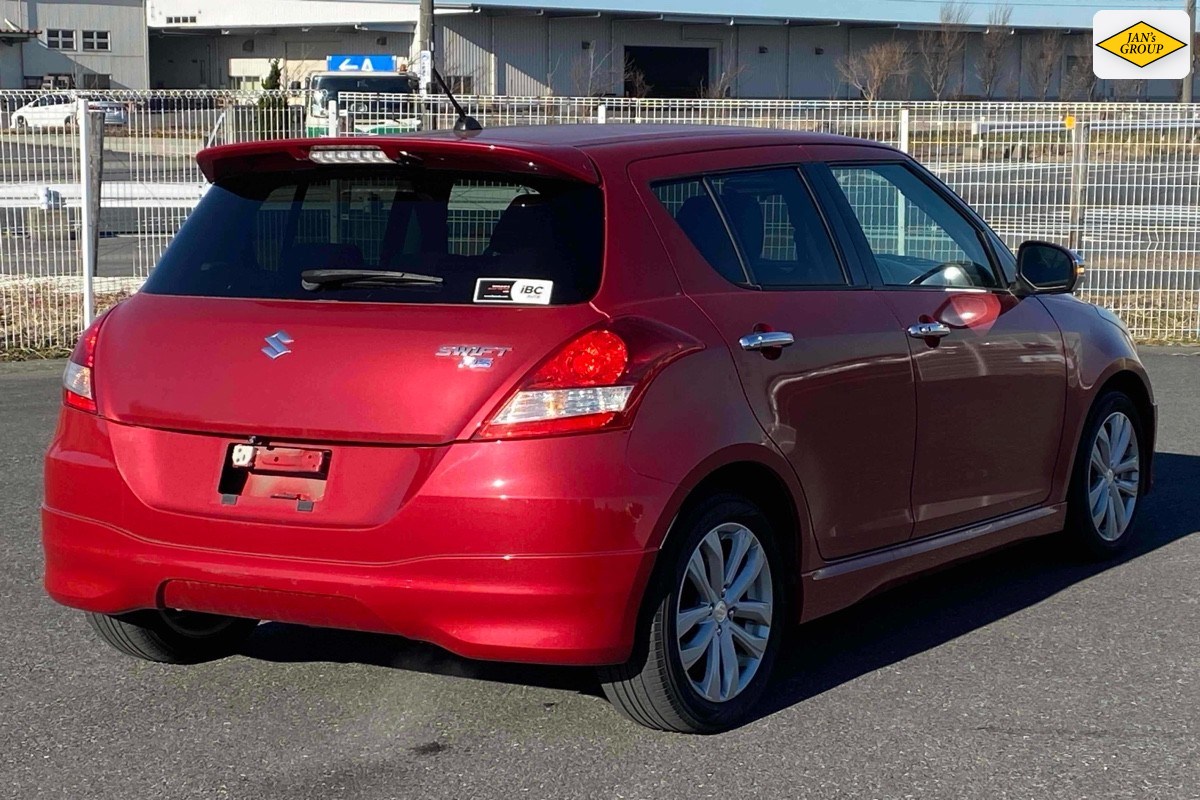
(1119, 182)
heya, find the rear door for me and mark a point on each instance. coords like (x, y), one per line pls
(754, 251)
(990, 368)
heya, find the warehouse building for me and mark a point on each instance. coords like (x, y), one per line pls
(680, 48)
(687, 48)
(94, 44)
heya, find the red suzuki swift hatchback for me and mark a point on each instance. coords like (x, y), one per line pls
(633, 397)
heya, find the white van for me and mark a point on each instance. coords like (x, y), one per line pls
(394, 115)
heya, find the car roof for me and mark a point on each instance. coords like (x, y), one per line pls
(560, 149)
(689, 137)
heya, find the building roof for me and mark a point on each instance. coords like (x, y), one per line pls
(402, 14)
(1071, 14)
(11, 34)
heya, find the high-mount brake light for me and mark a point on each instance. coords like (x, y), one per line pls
(348, 155)
(79, 378)
(593, 382)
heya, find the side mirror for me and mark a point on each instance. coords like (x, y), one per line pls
(1045, 268)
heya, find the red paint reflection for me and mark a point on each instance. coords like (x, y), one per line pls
(975, 311)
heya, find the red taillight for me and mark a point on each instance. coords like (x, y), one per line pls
(597, 358)
(592, 382)
(79, 378)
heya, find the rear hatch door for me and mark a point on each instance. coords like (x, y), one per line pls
(362, 301)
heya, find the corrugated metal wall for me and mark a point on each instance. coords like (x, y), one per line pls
(532, 54)
(521, 55)
(124, 20)
(464, 45)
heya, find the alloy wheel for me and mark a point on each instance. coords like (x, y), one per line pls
(724, 612)
(1113, 476)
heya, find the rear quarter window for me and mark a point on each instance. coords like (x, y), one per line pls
(254, 235)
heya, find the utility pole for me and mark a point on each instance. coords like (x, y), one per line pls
(1186, 95)
(425, 42)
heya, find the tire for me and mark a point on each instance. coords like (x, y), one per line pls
(21, 123)
(654, 688)
(1096, 524)
(173, 637)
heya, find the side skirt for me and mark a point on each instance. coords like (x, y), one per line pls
(843, 583)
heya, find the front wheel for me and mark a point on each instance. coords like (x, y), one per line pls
(1109, 480)
(719, 611)
(173, 637)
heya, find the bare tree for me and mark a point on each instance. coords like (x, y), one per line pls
(592, 74)
(1126, 91)
(873, 70)
(941, 48)
(1041, 57)
(724, 84)
(992, 47)
(635, 80)
(1078, 79)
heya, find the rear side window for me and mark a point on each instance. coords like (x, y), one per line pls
(781, 233)
(696, 214)
(779, 236)
(254, 235)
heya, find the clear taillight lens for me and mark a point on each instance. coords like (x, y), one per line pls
(592, 382)
(562, 403)
(79, 382)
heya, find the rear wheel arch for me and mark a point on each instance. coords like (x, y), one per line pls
(761, 485)
(758, 482)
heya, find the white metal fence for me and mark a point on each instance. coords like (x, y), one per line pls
(1120, 182)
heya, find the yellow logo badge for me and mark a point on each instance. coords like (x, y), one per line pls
(1141, 44)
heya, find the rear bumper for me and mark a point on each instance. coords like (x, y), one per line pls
(533, 551)
(568, 609)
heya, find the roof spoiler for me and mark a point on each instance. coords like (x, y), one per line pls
(429, 151)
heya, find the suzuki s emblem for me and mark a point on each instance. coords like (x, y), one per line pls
(277, 345)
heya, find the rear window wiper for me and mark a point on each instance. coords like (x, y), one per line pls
(314, 279)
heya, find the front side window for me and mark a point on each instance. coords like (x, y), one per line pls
(254, 235)
(915, 235)
(60, 39)
(96, 41)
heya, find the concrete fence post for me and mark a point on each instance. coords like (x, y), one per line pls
(1079, 178)
(333, 122)
(902, 129)
(602, 114)
(91, 175)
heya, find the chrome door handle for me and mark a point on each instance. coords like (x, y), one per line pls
(928, 330)
(766, 340)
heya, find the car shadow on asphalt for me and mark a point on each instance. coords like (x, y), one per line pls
(883, 630)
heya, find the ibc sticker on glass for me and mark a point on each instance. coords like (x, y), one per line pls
(1141, 45)
(514, 291)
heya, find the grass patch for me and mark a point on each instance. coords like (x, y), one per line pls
(43, 317)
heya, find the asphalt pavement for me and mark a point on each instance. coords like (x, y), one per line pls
(1025, 674)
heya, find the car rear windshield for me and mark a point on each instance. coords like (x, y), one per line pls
(258, 234)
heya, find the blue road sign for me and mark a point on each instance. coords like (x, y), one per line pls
(360, 63)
